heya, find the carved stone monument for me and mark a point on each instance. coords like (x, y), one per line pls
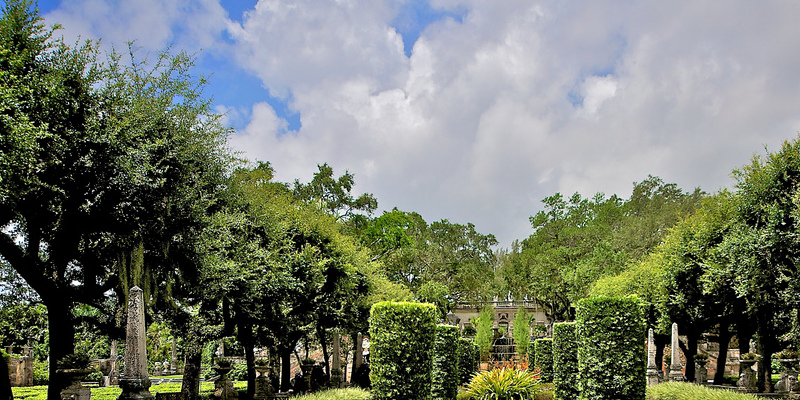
(135, 383)
(747, 376)
(173, 362)
(653, 374)
(675, 373)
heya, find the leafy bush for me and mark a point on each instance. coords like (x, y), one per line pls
(749, 356)
(544, 358)
(401, 350)
(611, 353)
(504, 384)
(484, 335)
(565, 362)
(522, 328)
(41, 372)
(445, 374)
(468, 359)
(338, 394)
(690, 391)
(469, 331)
(239, 372)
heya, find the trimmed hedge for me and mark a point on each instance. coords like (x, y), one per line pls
(565, 362)
(445, 374)
(611, 352)
(469, 356)
(544, 358)
(401, 349)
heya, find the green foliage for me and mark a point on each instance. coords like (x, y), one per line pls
(338, 394)
(544, 358)
(469, 331)
(437, 294)
(484, 336)
(445, 374)
(468, 359)
(41, 373)
(239, 372)
(611, 353)
(401, 349)
(522, 328)
(565, 362)
(504, 384)
(690, 391)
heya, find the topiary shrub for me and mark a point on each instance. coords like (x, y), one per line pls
(544, 358)
(401, 349)
(468, 359)
(565, 362)
(445, 375)
(611, 351)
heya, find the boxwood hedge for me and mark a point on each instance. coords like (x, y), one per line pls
(445, 375)
(544, 358)
(469, 356)
(611, 352)
(401, 349)
(565, 362)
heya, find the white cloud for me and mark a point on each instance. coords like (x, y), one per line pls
(482, 122)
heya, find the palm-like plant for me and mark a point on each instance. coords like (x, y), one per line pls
(504, 384)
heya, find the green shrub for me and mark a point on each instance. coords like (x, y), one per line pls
(504, 384)
(41, 372)
(445, 374)
(522, 330)
(239, 372)
(690, 391)
(565, 362)
(544, 358)
(468, 359)
(611, 352)
(469, 331)
(484, 335)
(338, 394)
(401, 349)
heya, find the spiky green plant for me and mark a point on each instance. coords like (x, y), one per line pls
(504, 384)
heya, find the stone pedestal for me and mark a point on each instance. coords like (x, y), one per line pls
(653, 374)
(135, 384)
(788, 381)
(75, 390)
(263, 387)
(747, 377)
(223, 387)
(700, 373)
(157, 368)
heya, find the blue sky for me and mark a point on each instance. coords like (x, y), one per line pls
(473, 110)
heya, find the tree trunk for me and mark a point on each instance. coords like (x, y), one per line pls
(62, 336)
(322, 341)
(5, 381)
(765, 361)
(722, 356)
(246, 337)
(661, 342)
(689, 351)
(358, 357)
(286, 370)
(191, 370)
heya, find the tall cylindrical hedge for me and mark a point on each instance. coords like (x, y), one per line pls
(611, 352)
(401, 350)
(565, 362)
(468, 359)
(544, 358)
(445, 375)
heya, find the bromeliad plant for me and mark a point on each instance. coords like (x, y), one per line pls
(504, 384)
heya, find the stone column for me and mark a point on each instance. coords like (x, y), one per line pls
(174, 359)
(653, 376)
(336, 362)
(135, 383)
(675, 373)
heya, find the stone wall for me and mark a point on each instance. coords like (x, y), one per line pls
(20, 371)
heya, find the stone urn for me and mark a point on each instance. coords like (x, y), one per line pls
(222, 372)
(747, 377)
(788, 380)
(700, 372)
(75, 390)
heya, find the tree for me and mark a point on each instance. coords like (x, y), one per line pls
(484, 336)
(522, 330)
(101, 162)
(333, 194)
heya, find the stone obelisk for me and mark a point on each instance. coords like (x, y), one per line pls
(653, 375)
(135, 383)
(675, 373)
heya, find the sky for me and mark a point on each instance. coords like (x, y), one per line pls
(476, 110)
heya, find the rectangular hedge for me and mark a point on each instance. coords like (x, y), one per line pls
(565, 362)
(401, 350)
(544, 358)
(445, 375)
(611, 353)
(469, 356)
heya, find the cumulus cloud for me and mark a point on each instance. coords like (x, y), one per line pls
(515, 101)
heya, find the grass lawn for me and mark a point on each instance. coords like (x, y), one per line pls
(112, 392)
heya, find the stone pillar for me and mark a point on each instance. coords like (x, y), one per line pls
(174, 360)
(653, 375)
(675, 367)
(336, 363)
(135, 383)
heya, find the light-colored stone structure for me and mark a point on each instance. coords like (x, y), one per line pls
(675, 368)
(653, 373)
(135, 383)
